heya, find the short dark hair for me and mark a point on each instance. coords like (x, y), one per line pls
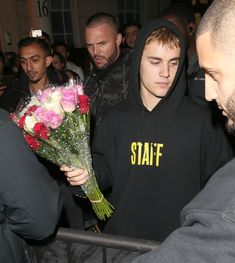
(25, 42)
(182, 11)
(61, 58)
(101, 18)
(60, 44)
(129, 24)
(219, 22)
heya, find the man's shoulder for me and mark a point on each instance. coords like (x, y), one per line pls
(4, 116)
(119, 110)
(125, 57)
(190, 106)
(218, 196)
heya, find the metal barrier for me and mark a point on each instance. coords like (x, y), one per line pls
(72, 246)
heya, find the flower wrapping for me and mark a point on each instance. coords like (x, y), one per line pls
(56, 125)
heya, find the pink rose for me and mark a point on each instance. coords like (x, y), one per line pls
(52, 119)
(48, 117)
(45, 95)
(69, 99)
(39, 113)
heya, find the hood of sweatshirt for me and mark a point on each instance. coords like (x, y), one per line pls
(173, 98)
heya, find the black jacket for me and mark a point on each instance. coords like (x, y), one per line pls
(29, 199)
(157, 161)
(19, 92)
(108, 87)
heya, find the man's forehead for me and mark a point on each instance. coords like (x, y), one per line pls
(203, 45)
(30, 51)
(131, 29)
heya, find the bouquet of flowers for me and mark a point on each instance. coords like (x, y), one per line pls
(55, 124)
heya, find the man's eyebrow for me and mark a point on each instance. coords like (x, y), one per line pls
(157, 58)
(176, 58)
(100, 42)
(206, 69)
(34, 56)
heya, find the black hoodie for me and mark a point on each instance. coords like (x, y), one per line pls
(157, 161)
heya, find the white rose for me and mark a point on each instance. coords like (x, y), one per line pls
(29, 123)
(53, 103)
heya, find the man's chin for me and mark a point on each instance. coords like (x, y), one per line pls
(34, 81)
(101, 66)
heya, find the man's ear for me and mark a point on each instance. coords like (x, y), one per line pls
(119, 39)
(191, 28)
(48, 61)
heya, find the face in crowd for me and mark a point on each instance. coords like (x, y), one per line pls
(130, 35)
(57, 63)
(103, 44)
(34, 62)
(219, 69)
(158, 68)
(62, 50)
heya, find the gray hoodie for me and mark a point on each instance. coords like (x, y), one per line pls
(207, 233)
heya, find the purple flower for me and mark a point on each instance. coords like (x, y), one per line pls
(52, 119)
(69, 99)
(48, 117)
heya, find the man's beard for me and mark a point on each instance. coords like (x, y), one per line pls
(231, 113)
(109, 62)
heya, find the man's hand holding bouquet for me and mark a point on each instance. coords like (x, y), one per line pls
(55, 124)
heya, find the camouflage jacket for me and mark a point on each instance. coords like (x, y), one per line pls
(108, 87)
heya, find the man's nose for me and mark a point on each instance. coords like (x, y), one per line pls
(164, 71)
(96, 50)
(28, 65)
(210, 91)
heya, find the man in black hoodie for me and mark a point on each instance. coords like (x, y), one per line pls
(158, 148)
(107, 83)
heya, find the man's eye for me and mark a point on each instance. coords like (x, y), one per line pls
(211, 76)
(103, 43)
(175, 62)
(154, 62)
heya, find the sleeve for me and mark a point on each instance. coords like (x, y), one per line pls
(29, 196)
(216, 147)
(208, 229)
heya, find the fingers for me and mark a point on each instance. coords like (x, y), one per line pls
(75, 177)
(65, 168)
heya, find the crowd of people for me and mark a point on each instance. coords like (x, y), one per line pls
(157, 139)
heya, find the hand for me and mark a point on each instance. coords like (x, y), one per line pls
(75, 177)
